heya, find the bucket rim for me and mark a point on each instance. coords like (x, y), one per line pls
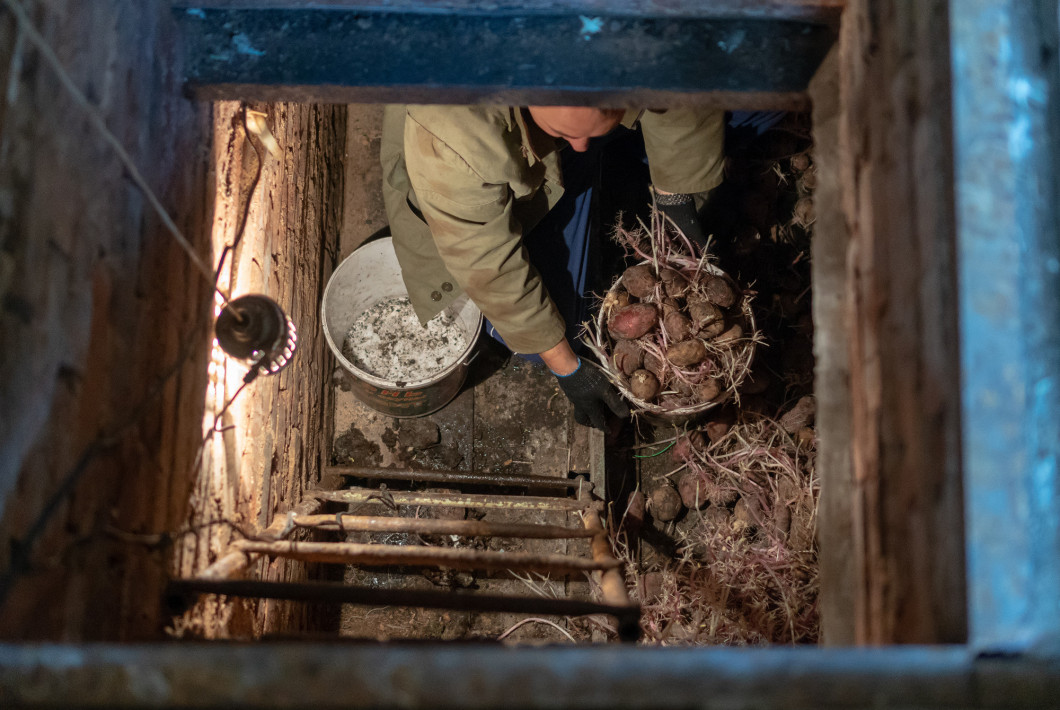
(375, 380)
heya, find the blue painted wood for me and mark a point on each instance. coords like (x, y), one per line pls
(282, 675)
(329, 53)
(1007, 139)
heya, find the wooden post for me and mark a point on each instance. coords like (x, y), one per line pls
(892, 535)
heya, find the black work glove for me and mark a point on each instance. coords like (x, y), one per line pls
(682, 210)
(592, 396)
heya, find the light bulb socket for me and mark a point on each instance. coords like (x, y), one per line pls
(254, 329)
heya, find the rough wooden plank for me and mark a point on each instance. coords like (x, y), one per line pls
(895, 177)
(102, 321)
(579, 448)
(333, 54)
(839, 575)
(293, 219)
(108, 325)
(363, 212)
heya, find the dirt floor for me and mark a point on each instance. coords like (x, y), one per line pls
(511, 417)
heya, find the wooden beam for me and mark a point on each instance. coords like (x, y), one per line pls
(560, 55)
(486, 675)
(1007, 128)
(831, 330)
(885, 286)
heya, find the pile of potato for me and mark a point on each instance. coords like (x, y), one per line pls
(677, 334)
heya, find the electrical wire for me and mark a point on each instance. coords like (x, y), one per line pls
(536, 620)
(96, 119)
(657, 453)
(241, 228)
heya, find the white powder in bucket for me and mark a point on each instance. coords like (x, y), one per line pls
(388, 341)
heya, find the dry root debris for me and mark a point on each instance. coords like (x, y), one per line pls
(746, 569)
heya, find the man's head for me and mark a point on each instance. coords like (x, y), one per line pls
(576, 124)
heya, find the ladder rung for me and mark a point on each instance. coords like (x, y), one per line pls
(458, 477)
(450, 500)
(178, 591)
(422, 556)
(432, 526)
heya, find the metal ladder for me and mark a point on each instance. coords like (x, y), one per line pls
(567, 494)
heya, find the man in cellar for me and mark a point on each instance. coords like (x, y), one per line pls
(497, 202)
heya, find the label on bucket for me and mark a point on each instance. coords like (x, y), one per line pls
(412, 402)
(407, 395)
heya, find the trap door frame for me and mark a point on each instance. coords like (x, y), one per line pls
(905, 587)
(1004, 101)
(960, 483)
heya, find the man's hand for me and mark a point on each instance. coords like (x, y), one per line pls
(681, 209)
(585, 386)
(592, 396)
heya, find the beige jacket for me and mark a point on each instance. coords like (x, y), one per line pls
(462, 184)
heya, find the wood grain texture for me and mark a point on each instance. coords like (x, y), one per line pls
(832, 358)
(103, 323)
(105, 328)
(892, 180)
(271, 447)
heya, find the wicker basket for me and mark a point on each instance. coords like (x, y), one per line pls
(601, 343)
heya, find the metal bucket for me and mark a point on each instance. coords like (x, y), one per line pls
(367, 276)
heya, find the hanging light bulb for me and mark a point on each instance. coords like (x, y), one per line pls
(255, 330)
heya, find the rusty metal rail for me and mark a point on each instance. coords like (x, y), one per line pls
(235, 562)
(458, 477)
(433, 526)
(371, 555)
(182, 591)
(450, 500)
